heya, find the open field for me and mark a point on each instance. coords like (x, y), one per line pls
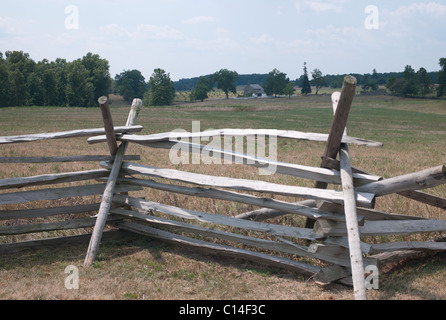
(412, 131)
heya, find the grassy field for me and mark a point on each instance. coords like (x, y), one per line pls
(412, 130)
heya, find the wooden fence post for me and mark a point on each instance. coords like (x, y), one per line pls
(107, 197)
(108, 125)
(341, 109)
(351, 217)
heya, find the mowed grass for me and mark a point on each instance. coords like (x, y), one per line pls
(412, 130)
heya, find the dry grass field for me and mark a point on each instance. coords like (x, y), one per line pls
(129, 267)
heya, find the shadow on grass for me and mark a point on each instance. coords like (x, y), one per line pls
(417, 278)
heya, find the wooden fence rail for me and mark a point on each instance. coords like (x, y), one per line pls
(338, 221)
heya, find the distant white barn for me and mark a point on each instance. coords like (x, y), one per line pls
(254, 90)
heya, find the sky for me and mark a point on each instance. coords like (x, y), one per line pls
(190, 38)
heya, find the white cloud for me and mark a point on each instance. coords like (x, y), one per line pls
(115, 30)
(222, 42)
(431, 8)
(320, 5)
(12, 26)
(143, 31)
(263, 39)
(414, 21)
(222, 32)
(199, 20)
(158, 32)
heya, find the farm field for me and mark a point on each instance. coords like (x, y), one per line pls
(412, 130)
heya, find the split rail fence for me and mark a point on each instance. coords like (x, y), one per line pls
(338, 222)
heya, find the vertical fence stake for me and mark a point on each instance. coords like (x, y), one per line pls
(341, 110)
(351, 217)
(107, 197)
(108, 125)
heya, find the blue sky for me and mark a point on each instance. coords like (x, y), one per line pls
(189, 38)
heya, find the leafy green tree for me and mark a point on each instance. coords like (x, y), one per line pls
(20, 61)
(17, 88)
(441, 90)
(130, 84)
(410, 87)
(289, 89)
(79, 90)
(48, 74)
(306, 87)
(25, 82)
(276, 82)
(405, 86)
(389, 84)
(60, 67)
(99, 74)
(200, 92)
(318, 80)
(399, 87)
(370, 86)
(424, 82)
(19, 67)
(225, 80)
(35, 90)
(162, 90)
(370, 83)
(4, 83)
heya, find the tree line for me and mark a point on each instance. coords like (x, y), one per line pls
(406, 83)
(25, 82)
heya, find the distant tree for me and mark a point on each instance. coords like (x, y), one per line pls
(399, 87)
(276, 82)
(99, 74)
(200, 92)
(19, 66)
(79, 90)
(130, 84)
(405, 86)
(17, 88)
(225, 80)
(441, 90)
(35, 90)
(289, 89)
(48, 75)
(424, 82)
(370, 83)
(389, 84)
(306, 87)
(162, 90)
(370, 86)
(409, 75)
(318, 80)
(4, 83)
(20, 61)
(335, 81)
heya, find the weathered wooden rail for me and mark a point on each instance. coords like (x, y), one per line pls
(338, 222)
